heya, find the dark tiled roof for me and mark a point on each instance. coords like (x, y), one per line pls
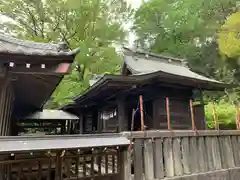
(139, 63)
(12, 45)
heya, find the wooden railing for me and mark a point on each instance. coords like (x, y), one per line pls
(184, 155)
(71, 157)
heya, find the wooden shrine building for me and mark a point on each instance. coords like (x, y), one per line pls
(170, 91)
(29, 73)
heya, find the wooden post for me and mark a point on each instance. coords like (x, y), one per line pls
(214, 116)
(121, 114)
(125, 164)
(202, 103)
(237, 117)
(192, 115)
(168, 114)
(141, 112)
(58, 166)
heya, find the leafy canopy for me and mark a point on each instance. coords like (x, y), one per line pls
(229, 36)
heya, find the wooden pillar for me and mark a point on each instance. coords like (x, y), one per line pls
(100, 123)
(125, 164)
(156, 120)
(80, 123)
(122, 114)
(203, 105)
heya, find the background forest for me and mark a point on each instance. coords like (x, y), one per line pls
(205, 33)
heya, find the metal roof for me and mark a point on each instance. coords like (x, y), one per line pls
(140, 63)
(50, 114)
(12, 45)
(31, 143)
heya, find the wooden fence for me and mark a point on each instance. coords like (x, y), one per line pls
(185, 155)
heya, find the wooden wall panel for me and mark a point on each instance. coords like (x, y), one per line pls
(179, 114)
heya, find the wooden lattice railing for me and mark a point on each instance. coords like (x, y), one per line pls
(64, 165)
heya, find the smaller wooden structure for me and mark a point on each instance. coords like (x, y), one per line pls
(48, 122)
(152, 92)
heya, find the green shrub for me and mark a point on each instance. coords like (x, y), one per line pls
(225, 113)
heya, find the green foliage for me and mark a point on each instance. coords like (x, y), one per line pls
(94, 26)
(229, 43)
(225, 112)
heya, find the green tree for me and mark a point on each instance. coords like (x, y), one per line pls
(187, 29)
(94, 26)
(182, 28)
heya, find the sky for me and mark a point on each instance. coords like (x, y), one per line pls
(135, 3)
(131, 37)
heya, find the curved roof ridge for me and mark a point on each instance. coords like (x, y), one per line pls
(140, 51)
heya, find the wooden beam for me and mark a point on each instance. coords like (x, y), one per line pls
(141, 112)
(39, 68)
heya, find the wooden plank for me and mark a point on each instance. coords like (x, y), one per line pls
(138, 159)
(226, 152)
(217, 162)
(208, 141)
(148, 159)
(177, 157)
(236, 152)
(158, 159)
(203, 166)
(185, 155)
(194, 155)
(168, 156)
